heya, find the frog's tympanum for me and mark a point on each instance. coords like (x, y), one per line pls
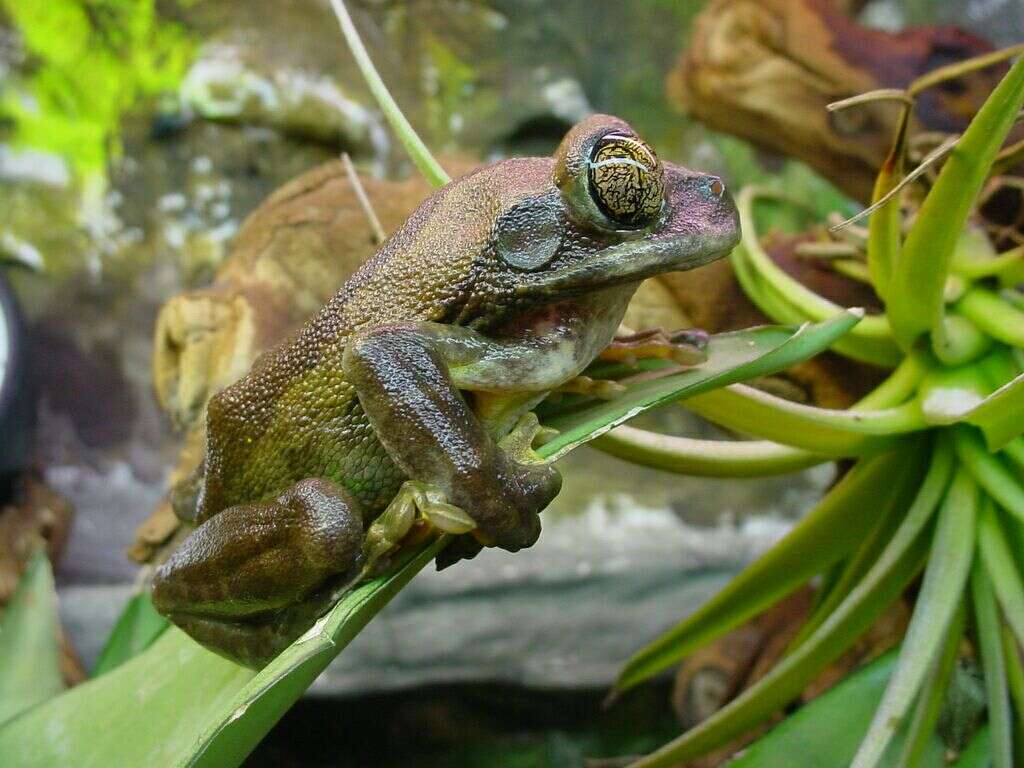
(406, 402)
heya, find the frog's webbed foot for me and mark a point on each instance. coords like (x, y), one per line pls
(685, 347)
(417, 508)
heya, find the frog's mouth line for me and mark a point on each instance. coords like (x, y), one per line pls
(633, 262)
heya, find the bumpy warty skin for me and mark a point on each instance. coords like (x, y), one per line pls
(296, 416)
(500, 287)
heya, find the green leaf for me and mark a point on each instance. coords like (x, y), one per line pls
(137, 627)
(190, 707)
(821, 430)
(825, 733)
(889, 517)
(826, 534)
(990, 472)
(964, 394)
(992, 314)
(977, 753)
(731, 357)
(29, 644)
(886, 580)
(1014, 680)
(941, 593)
(915, 300)
(705, 458)
(220, 710)
(785, 299)
(921, 733)
(885, 224)
(986, 619)
(998, 558)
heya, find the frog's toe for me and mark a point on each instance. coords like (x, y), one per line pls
(685, 347)
(414, 501)
(518, 443)
(460, 548)
(603, 389)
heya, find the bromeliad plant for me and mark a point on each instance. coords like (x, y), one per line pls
(938, 483)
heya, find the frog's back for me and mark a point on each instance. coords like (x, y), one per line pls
(295, 415)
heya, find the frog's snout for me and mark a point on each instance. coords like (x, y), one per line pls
(701, 203)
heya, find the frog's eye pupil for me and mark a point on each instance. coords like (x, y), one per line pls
(626, 179)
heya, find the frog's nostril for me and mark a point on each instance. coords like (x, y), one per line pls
(711, 187)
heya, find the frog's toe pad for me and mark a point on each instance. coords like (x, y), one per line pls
(414, 500)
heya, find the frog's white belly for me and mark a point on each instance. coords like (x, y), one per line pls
(551, 346)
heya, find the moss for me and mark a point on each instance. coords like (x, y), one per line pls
(88, 63)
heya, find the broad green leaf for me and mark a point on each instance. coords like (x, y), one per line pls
(29, 643)
(915, 299)
(896, 567)
(731, 357)
(941, 592)
(825, 733)
(986, 620)
(137, 627)
(832, 432)
(190, 707)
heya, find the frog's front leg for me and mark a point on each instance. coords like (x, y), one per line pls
(409, 378)
(252, 578)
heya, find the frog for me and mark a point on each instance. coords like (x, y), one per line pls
(405, 406)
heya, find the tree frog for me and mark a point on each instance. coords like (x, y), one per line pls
(406, 403)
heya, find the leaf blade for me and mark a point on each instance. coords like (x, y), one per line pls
(944, 583)
(29, 648)
(137, 627)
(915, 297)
(731, 357)
(886, 580)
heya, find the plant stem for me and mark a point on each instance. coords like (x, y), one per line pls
(418, 152)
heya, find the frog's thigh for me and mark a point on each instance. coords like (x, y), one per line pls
(258, 558)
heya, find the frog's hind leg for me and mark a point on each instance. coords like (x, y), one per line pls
(255, 641)
(257, 569)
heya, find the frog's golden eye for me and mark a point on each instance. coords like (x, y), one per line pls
(626, 179)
